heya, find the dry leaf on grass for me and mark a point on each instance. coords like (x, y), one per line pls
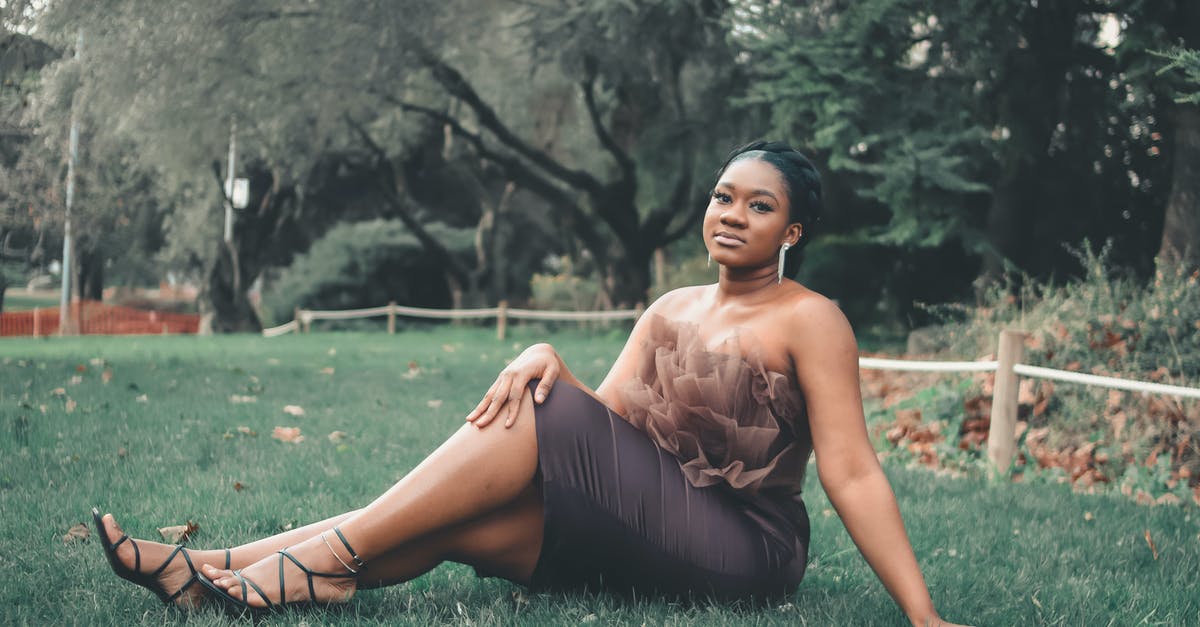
(288, 434)
(414, 371)
(106, 376)
(142, 399)
(293, 410)
(434, 403)
(327, 370)
(449, 348)
(247, 431)
(78, 531)
(239, 399)
(178, 534)
(238, 486)
(1150, 542)
(75, 380)
(81, 368)
(336, 436)
(58, 392)
(331, 352)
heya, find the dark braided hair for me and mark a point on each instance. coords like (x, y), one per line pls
(803, 184)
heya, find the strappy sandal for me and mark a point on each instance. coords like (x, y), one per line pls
(149, 581)
(238, 606)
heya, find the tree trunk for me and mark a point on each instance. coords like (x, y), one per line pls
(1180, 248)
(91, 274)
(227, 299)
(630, 276)
(1003, 226)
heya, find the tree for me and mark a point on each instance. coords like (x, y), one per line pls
(1007, 127)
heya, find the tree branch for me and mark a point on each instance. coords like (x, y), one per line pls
(624, 162)
(521, 174)
(456, 85)
(403, 203)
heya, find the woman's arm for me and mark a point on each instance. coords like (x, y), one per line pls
(826, 358)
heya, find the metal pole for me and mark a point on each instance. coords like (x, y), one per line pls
(65, 322)
(229, 181)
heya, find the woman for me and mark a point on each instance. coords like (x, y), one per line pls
(725, 390)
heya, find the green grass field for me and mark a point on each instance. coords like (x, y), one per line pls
(159, 444)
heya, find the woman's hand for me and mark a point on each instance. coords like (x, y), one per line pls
(504, 397)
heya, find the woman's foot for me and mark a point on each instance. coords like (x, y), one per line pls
(164, 569)
(328, 580)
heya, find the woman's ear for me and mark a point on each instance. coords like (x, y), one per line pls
(793, 234)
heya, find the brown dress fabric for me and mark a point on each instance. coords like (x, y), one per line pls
(695, 492)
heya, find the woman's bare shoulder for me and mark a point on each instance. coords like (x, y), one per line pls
(811, 316)
(669, 305)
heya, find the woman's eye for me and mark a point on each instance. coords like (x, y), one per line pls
(761, 206)
(721, 197)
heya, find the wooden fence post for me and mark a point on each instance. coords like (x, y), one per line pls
(391, 317)
(37, 323)
(502, 320)
(1002, 442)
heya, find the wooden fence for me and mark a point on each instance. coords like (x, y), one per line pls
(1007, 365)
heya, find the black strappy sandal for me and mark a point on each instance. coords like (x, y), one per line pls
(142, 579)
(237, 606)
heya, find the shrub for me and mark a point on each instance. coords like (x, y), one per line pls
(365, 264)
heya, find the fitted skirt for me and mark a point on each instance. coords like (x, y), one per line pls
(621, 516)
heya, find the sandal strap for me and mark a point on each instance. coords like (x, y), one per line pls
(248, 584)
(228, 559)
(349, 549)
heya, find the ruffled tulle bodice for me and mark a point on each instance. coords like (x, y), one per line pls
(721, 412)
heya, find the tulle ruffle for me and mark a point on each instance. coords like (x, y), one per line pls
(720, 412)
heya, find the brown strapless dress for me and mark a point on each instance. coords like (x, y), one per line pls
(695, 492)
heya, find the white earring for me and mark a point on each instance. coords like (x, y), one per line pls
(709, 260)
(782, 251)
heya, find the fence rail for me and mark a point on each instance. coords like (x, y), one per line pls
(1007, 366)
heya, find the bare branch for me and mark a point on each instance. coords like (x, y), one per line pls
(456, 85)
(624, 162)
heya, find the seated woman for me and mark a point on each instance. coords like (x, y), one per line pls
(679, 475)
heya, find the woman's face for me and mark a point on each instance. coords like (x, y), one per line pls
(748, 216)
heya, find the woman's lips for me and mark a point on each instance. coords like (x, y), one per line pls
(725, 239)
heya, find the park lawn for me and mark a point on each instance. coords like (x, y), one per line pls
(159, 444)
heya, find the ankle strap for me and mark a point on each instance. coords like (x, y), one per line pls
(354, 556)
(336, 556)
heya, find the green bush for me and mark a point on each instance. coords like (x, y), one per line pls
(365, 264)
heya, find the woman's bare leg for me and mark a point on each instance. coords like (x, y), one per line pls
(474, 472)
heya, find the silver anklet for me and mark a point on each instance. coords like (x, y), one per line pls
(335, 555)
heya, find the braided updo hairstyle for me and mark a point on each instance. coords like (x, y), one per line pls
(803, 184)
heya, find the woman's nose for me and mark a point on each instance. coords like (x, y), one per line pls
(733, 216)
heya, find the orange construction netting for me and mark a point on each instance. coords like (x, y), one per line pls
(96, 318)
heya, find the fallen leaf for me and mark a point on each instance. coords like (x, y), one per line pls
(336, 436)
(1088, 516)
(414, 371)
(1150, 542)
(81, 368)
(70, 405)
(238, 399)
(179, 534)
(106, 376)
(449, 348)
(327, 370)
(293, 410)
(58, 392)
(78, 531)
(142, 399)
(288, 434)
(434, 403)
(75, 380)
(247, 431)
(96, 361)
(121, 452)
(238, 487)
(331, 352)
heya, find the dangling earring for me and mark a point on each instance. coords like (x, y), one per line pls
(709, 260)
(782, 251)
